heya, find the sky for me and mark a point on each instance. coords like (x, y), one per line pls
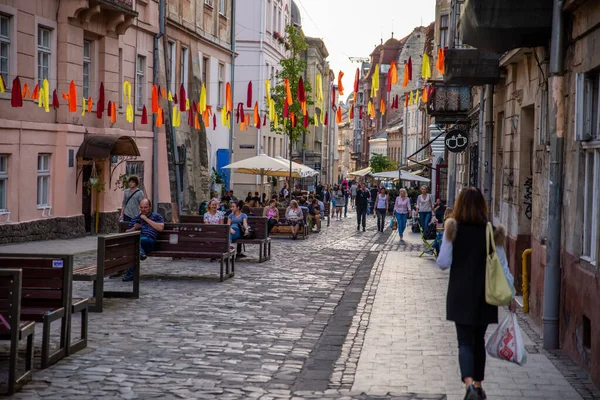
(352, 28)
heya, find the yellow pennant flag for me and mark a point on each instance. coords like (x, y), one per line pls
(176, 116)
(319, 90)
(271, 109)
(417, 97)
(44, 97)
(316, 119)
(276, 122)
(411, 99)
(203, 99)
(268, 90)
(375, 81)
(83, 107)
(426, 68)
(127, 97)
(170, 97)
(224, 116)
(187, 104)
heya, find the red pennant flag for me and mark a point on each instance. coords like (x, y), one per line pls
(175, 99)
(249, 98)
(360, 112)
(410, 68)
(100, 103)
(356, 80)
(286, 109)
(144, 116)
(265, 120)
(191, 117)
(214, 122)
(352, 112)
(332, 97)
(301, 92)
(55, 102)
(405, 100)
(109, 110)
(36, 92)
(182, 99)
(16, 97)
(326, 118)
(397, 100)
(306, 120)
(389, 83)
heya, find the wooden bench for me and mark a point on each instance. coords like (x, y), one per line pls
(116, 253)
(283, 229)
(201, 241)
(258, 224)
(13, 329)
(46, 297)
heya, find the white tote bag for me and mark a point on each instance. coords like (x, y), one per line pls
(506, 343)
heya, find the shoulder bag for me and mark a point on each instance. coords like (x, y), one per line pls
(497, 288)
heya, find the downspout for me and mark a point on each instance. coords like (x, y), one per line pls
(556, 125)
(232, 85)
(480, 137)
(155, 66)
(489, 134)
(260, 80)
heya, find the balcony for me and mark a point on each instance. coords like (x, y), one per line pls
(449, 103)
(471, 67)
(501, 25)
(117, 15)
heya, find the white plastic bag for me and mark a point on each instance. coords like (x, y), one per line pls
(506, 343)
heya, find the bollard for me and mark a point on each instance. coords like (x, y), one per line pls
(525, 286)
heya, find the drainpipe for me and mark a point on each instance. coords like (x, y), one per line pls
(555, 188)
(489, 135)
(161, 32)
(451, 179)
(232, 86)
(260, 82)
(480, 138)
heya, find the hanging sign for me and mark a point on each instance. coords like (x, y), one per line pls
(456, 141)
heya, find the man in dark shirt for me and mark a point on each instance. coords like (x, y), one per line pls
(374, 192)
(314, 214)
(319, 189)
(362, 200)
(149, 224)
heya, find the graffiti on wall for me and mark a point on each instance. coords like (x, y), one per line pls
(527, 198)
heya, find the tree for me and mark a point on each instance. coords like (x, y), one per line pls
(292, 68)
(380, 163)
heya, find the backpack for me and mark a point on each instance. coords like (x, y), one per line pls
(203, 207)
(431, 232)
(416, 227)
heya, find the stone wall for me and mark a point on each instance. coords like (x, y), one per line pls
(43, 229)
(109, 222)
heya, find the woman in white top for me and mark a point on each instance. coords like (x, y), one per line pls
(294, 217)
(424, 207)
(213, 215)
(338, 195)
(401, 210)
(381, 207)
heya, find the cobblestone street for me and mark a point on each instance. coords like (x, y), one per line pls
(343, 314)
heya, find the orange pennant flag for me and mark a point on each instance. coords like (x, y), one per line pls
(159, 117)
(440, 61)
(288, 91)
(89, 104)
(393, 73)
(256, 116)
(405, 82)
(425, 96)
(228, 97)
(338, 116)
(196, 121)
(113, 115)
(340, 86)
(72, 99)
(154, 99)
(26, 92)
(382, 107)
(36, 92)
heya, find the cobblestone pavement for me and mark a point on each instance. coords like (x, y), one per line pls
(401, 341)
(343, 314)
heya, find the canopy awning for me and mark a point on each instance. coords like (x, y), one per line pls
(302, 170)
(104, 146)
(361, 172)
(402, 175)
(262, 165)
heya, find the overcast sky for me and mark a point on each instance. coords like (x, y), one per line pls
(354, 27)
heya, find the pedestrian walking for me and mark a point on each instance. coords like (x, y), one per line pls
(131, 200)
(339, 198)
(353, 190)
(464, 250)
(362, 202)
(401, 210)
(424, 207)
(381, 208)
(374, 192)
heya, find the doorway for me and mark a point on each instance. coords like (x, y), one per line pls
(86, 198)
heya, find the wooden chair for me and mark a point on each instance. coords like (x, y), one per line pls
(13, 329)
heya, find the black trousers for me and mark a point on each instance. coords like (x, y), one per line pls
(471, 351)
(381, 218)
(361, 215)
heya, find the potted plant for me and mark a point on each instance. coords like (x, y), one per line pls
(217, 179)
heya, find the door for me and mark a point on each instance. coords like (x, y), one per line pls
(86, 198)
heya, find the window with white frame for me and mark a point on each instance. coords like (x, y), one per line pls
(172, 51)
(591, 203)
(183, 67)
(274, 22)
(268, 18)
(140, 80)
(208, 2)
(87, 67)
(3, 181)
(43, 180)
(4, 47)
(44, 52)
(222, 9)
(586, 106)
(221, 99)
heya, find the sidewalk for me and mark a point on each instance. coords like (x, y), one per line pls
(410, 347)
(61, 246)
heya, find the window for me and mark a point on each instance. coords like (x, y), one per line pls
(43, 179)
(208, 2)
(222, 9)
(279, 21)
(140, 80)
(444, 31)
(3, 180)
(586, 106)
(120, 77)
(183, 68)
(172, 51)
(274, 18)
(44, 51)
(221, 99)
(591, 203)
(4, 47)
(87, 65)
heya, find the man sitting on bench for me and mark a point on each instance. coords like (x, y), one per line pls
(150, 224)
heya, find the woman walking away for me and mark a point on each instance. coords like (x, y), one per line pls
(339, 201)
(213, 215)
(401, 210)
(238, 222)
(381, 207)
(294, 217)
(464, 251)
(424, 207)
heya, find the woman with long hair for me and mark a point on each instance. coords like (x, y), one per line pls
(294, 217)
(401, 210)
(381, 207)
(238, 222)
(424, 207)
(213, 215)
(464, 250)
(338, 196)
(272, 214)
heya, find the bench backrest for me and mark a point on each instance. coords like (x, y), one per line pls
(194, 238)
(46, 279)
(10, 301)
(118, 252)
(257, 211)
(191, 219)
(282, 212)
(260, 226)
(327, 208)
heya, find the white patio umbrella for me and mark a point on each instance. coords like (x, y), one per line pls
(262, 165)
(301, 169)
(404, 176)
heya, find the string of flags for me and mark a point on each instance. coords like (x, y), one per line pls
(199, 110)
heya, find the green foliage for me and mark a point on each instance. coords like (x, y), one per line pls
(217, 177)
(292, 68)
(379, 163)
